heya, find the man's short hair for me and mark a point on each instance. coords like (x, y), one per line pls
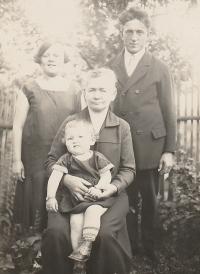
(135, 13)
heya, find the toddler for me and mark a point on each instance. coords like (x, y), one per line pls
(92, 166)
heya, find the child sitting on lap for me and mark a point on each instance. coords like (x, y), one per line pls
(92, 166)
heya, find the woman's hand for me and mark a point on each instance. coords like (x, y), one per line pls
(52, 204)
(77, 186)
(108, 191)
(18, 171)
(21, 112)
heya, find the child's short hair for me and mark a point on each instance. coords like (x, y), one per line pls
(78, 123)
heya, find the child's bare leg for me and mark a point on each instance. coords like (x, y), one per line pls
(91, 227)
(76, 225)
(92, 221)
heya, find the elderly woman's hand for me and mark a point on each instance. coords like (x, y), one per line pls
(18, 171)
(108, 191)
(77, 186)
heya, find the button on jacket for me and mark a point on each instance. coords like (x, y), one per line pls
(146, 101)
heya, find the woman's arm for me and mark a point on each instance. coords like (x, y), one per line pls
(126, 171)
(58, 148)
(21, 111)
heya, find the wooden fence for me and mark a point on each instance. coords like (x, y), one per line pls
(188, 122)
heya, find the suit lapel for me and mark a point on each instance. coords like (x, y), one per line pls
(140, 71)
(119, 68)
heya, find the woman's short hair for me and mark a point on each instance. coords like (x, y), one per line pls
(105, 73)
(44, 47)
(135, 13)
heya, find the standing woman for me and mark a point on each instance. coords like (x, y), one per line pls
(41, 107)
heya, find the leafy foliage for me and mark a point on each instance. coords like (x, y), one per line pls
(26, 253)
(181, 216)
(178, 229)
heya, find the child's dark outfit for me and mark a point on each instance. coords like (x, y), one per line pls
(90, 171)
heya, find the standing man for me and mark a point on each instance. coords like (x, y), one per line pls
(145, 100)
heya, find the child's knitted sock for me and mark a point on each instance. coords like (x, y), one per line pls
(90, 233)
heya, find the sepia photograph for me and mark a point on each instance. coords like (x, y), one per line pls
(99, 137)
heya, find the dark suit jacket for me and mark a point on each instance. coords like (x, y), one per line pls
(145, 100)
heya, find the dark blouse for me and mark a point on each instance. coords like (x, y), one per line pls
(48, 109)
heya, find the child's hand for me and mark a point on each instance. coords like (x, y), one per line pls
(52, 204)
(18, 171)
(94, 193)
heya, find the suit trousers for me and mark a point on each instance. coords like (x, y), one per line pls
(147, 184)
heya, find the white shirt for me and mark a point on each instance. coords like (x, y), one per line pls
(132, 60)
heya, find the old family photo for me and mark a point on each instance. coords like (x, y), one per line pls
(99, 137)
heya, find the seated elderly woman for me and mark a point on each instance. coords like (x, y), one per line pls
(111, 252)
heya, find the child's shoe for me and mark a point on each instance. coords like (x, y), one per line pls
(82, 253)
(79, 268)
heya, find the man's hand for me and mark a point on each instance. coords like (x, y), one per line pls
(166, 163)
(77, 186)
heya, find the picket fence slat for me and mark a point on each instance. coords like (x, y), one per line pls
(198, 128)
(188, 123)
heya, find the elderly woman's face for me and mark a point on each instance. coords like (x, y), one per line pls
(99, 94)
(52, 60)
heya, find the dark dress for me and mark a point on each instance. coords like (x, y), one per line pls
(89, 170)
(47, 111)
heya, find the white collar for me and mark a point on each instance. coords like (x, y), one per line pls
(137, 56)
